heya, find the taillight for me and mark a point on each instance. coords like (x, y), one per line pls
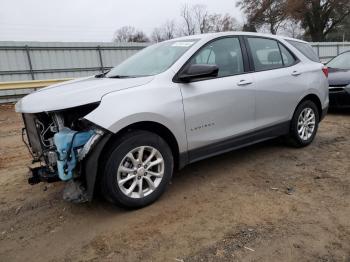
(325, 71)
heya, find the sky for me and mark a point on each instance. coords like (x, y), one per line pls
(92, 20)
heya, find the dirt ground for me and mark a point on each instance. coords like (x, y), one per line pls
(267, 202)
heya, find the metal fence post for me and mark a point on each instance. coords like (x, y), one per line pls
(30, 62)
(338, 51)
(101, 60)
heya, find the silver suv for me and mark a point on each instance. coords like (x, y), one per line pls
(174, 103)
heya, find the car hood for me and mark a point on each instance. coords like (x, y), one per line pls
(75, 93)
(339, 77)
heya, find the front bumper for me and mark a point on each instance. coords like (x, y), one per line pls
(339, 97)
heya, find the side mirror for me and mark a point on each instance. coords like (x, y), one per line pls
(198, 71)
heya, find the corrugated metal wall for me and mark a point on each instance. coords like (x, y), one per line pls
(51, 60)
(328, 50)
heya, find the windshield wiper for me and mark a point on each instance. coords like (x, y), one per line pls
(119, 76)
(102, 75)
(129, 76)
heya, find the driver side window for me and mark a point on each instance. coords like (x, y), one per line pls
(226, 53)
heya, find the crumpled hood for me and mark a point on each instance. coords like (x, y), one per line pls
(75, 93)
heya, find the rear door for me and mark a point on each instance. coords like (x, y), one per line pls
(278, 80)
(218, 109)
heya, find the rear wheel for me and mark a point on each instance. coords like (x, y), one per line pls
(304, 124)
(138, 169)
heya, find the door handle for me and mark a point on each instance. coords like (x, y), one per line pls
(244, 83)
(296, 73)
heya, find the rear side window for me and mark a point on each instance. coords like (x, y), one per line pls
(288, 58)
(306, 50)
(266, 54)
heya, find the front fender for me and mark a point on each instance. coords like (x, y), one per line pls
(161, 105)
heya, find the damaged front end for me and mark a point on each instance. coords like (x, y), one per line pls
(63, 141)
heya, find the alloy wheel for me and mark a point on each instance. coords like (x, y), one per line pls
(140, 172)
(306, 124)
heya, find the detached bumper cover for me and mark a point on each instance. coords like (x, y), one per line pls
(339, 97)
(92, 165)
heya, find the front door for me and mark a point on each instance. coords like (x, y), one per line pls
(218, 109)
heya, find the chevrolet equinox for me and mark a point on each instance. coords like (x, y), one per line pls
(125, 131)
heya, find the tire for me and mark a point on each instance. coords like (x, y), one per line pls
(132, 177)
(296, 136)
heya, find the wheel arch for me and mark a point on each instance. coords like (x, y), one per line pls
(314, 98)
(95, 162)
(158, 129)
(311, 97)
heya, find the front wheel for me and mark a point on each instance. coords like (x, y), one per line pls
(138, 169)
(304, 124)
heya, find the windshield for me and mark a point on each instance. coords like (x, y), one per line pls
(341, 62)
(152, 60)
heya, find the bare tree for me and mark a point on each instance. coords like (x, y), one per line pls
(169, 30)
(129, 34)
(201, 17)
(139, 37)
(247, 27)
(222, 23)
(124, 34)
(292, 28)
(165, 32)
(187, 15)
(157, 35)
(229, 23)
(198, 21)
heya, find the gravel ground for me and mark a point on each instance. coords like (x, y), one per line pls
(267, 202)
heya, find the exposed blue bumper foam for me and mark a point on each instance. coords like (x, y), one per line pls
(67, 143)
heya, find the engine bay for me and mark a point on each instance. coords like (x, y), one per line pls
(60, 141)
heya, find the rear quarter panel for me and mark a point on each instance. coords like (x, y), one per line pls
(315, 80)
(316, 83)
